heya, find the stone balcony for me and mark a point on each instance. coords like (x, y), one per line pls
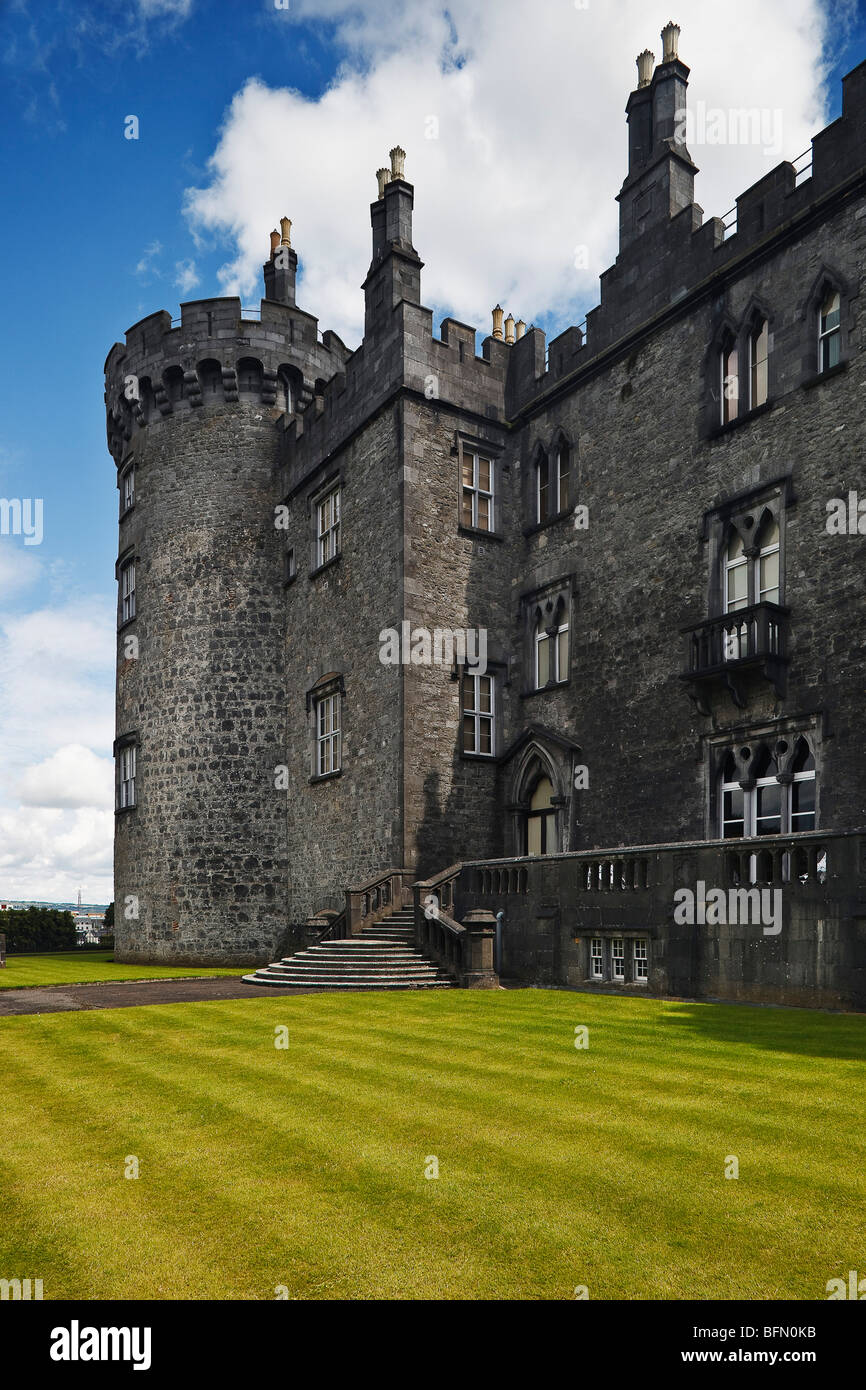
(722, 651)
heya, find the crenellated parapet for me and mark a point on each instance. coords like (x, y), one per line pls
(216, 353)
(678, 258)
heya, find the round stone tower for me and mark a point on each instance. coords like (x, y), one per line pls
(196, 413)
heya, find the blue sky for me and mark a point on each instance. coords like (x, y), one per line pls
(299, 105)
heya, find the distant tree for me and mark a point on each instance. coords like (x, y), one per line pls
(109, 916)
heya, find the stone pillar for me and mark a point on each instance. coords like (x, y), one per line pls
(478, 971)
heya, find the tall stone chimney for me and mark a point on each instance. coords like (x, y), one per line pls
(395, 270)
(661, 175)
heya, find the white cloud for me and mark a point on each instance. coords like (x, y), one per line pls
(531, 145)
(169, 9)
(145, 266)
(73, 776)
(49, 854)
(57, 702)
(19, 570)
(186, 276)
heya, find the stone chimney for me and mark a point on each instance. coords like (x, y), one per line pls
(661, 175)
(281, 267)
(395, 268)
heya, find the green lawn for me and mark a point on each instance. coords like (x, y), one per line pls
(305, 1167)
(92, 967)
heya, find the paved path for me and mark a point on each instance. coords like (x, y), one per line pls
(126, 994)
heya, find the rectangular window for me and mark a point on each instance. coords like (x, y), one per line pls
(328, 751)
(596, 958)
(551, 656)
(127, 489)
(478, 714)
(127, 592)
(328, 527)
(803, 801)
(617, 958)
(126, 777)
(289, 565)
(759, 350)
(641, 961)
(562, 479)
(730, 384)
(830, 332)
(543, 480)
(476, 508)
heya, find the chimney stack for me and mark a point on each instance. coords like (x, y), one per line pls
(395, 269)
(282, 266)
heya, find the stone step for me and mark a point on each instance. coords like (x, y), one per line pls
(382, 958)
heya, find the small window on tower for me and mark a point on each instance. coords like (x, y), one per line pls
(830, 331)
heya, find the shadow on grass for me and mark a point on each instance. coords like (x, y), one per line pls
(803, 1032)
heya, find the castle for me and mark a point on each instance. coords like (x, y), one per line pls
(553, 631)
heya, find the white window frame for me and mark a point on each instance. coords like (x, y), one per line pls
(126, 777)
(640, 960)
(475, 491)
(542, 473)
(826, 335)
(561, 453)
(755, 333)
(127, 489)
(729, 349)
(477, 714)
(328, 511)
(127, 592)
(542, 635)
(596, 958)
(329, 734)
(617, 958)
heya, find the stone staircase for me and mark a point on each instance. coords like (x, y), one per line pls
(384, 956)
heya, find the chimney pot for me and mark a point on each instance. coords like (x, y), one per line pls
(509, 329)
(498, 313)
(519, 328)
(670, 39)
(398, 159)
(384, 176)
(645, 63)
(286, 229)
(275, 241)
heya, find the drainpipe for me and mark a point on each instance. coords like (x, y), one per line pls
(497, 945)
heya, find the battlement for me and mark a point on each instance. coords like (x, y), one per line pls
(406, 356)
(683, 256)
(217, 351)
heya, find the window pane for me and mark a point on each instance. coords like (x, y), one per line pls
(543, 661)
(484, 474)
(730, 385)
(543, 491)
(734, 813)
(770, 577)
(563, 481)
(466, 514)
(468, 733)
(738, 586)
(486, 733)
(468, 470)
(562, 656)
(485, 685)
(830, 313)
(484, 513)
(769, 813)
(533, 835)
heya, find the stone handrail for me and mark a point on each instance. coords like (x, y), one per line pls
(374, 899)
